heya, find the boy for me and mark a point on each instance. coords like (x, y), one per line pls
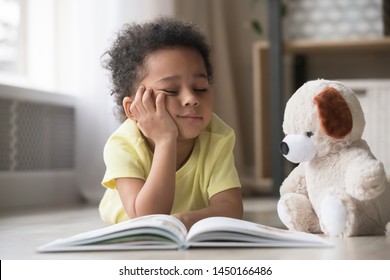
(171, 155)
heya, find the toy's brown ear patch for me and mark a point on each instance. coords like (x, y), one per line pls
(334, 114)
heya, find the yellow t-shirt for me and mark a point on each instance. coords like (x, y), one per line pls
(209, 170)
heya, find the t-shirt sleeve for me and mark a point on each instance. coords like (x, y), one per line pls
(224, 174)
(121, 161)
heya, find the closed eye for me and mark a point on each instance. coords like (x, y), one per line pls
(170, 91)
(200, 90)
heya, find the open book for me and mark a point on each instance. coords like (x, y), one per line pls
(167, 232)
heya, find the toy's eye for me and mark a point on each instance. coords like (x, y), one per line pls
(309, 134)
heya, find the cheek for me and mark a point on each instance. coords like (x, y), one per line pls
(209, 111)
(171, 105)
(206, 101)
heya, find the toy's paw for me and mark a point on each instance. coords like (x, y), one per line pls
(284, 214)
(296, 213)
(333, 216)
(368, 182)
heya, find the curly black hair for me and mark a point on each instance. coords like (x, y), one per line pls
(126, 58)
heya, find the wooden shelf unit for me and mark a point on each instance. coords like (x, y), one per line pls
(262, 177)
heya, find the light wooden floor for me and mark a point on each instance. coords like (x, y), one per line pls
(22, 231)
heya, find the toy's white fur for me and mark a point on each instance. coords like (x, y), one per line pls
(342, 191)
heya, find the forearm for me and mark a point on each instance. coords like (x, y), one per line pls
(190, 218)
(221, 205)
(157, 194)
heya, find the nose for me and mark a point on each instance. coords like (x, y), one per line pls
(284, 148)
(190, 98)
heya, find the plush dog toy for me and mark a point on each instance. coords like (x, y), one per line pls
(339, 187)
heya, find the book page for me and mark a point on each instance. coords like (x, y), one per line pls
(152, 229)
(225, 230)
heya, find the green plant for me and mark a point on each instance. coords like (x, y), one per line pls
(255, 24)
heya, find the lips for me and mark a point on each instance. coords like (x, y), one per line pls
(193, 117)
(190, 115)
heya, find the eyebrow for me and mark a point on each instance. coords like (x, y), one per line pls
(177, 77)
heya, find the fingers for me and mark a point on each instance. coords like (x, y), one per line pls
(148, 101)
(136, 107)
(160, 102)
(143, 102)
(152, 118)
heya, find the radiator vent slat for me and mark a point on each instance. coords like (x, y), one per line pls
(36, 136)
(5, 130)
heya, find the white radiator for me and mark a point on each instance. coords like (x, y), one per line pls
(374, 96)
(37, 148)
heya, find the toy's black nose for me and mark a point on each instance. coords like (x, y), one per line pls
(284, 148)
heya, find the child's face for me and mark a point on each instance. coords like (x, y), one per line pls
(180, 74)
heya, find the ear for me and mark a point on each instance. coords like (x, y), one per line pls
(334, 114)
(126, 103)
